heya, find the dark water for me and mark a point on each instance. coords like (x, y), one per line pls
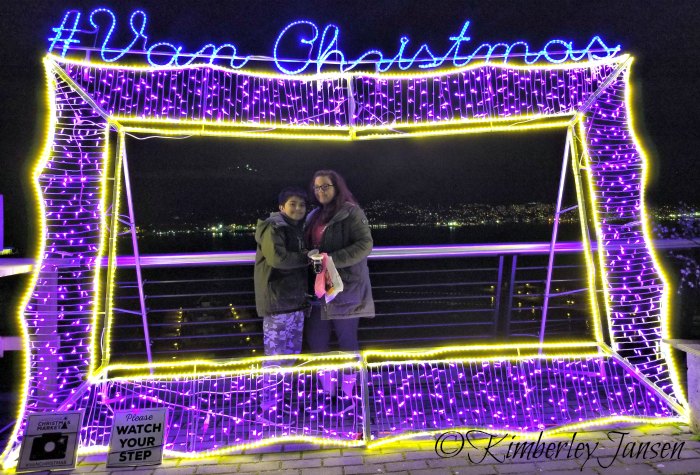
(390, 236)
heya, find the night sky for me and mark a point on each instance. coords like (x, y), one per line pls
(218, 175)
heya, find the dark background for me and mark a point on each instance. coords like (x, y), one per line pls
(214, 180)
(209, 173)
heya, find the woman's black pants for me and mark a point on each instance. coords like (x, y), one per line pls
(318, 332)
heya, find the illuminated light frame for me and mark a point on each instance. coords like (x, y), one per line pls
(343, 107)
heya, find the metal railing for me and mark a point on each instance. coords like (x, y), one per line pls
(202, 305)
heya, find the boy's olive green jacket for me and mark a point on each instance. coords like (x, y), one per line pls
(281, 266)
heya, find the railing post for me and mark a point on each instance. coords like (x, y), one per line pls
(366, 408)
(10, 343)
(511, 288)
(496, 321)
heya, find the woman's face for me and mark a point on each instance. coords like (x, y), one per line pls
(324, 189)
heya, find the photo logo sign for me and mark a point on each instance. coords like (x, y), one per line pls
(50, 441)
(137, 437)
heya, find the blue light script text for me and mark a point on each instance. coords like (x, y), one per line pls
(299, 48)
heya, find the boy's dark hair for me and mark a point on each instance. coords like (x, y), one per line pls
(292, 191)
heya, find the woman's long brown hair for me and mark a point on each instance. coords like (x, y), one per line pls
(342, 195)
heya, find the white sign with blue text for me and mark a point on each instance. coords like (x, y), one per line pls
(137, 437)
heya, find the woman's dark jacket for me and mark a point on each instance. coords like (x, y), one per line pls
(281, 266)
(348, 240)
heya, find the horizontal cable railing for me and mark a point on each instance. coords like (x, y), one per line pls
(202, 305)
(13, 265)
(393, 252)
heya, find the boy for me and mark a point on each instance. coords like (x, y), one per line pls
(280, 278)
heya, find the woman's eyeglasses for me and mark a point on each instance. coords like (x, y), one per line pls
(323, 188)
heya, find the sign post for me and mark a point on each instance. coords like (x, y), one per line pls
(137, 437)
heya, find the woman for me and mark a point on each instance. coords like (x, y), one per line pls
(339, 228)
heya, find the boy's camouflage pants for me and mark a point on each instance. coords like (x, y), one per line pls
(282, 335)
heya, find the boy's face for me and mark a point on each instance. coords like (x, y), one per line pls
(294, 208)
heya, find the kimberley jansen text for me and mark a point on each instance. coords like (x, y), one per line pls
(483, 447)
